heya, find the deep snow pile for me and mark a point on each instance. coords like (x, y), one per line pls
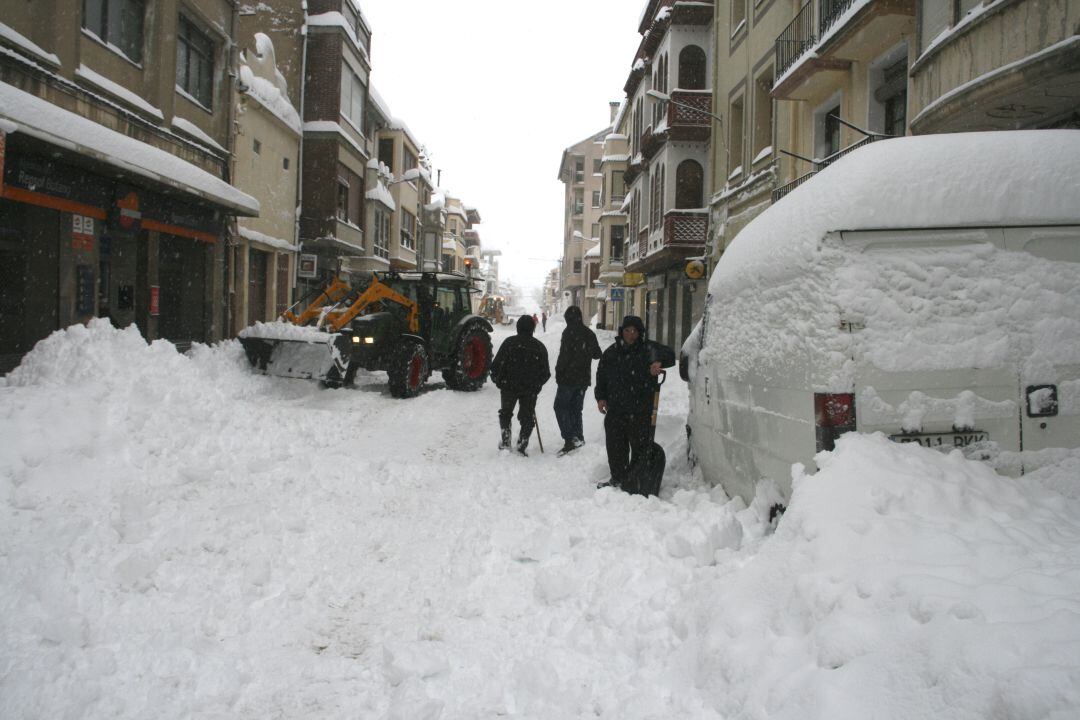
(182, 538)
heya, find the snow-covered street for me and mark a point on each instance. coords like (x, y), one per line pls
(182, 538)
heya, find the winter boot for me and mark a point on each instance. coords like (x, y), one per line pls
(569, 446)
(504, 442)
(523, 443)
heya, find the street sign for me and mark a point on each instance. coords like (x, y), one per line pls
(616, 294)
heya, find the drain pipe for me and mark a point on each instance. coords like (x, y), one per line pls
(300, 155)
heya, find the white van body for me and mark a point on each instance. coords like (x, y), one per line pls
(931, 282)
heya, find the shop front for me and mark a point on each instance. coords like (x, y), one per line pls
(76, 242)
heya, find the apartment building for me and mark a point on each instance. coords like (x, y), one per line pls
(669, 101)
(965, 77)
(115, 167)
(267, 150)
(613, 301)
(408, 185)
(580, 171)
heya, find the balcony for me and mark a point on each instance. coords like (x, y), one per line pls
(684, 235)
(828, 35)
(783, 190)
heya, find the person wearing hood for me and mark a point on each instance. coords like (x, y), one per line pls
(573, 375)
(625, 382)
(519, 370)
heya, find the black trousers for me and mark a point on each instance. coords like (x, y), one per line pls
(526, 404)
(628, 437)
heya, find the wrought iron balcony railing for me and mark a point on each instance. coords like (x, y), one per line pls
(795, 40)
(821, 165)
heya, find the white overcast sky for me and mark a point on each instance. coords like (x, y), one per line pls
(496, 90)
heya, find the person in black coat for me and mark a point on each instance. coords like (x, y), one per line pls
(519, 370)
(625, 383)
(573, 374)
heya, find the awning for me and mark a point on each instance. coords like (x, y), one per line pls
(43, 120)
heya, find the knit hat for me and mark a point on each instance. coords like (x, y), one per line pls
(572, 314)
(526, 325)
(633, 321)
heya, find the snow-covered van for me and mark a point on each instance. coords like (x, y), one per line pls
(927, 288)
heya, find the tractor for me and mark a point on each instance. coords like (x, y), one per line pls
(406, 323)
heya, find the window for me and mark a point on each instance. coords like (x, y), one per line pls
(618, 237)
(618, 187)
(738, 16)
(408, 230)
(892, 95)
(595, 230)
(579, 170)
(195, 63)
(353, 97)
(386, 153)
(381, 241)
(343, 201)
(410, 160)
(579, 202)
(736, 143)
(285, 163)
(828, 132)
(656, 213)
(596, 166)
(689, 185)
(577, 265)
(256, 146)
(692, 68)
(763, 113)
(596, 198)
(118, 23)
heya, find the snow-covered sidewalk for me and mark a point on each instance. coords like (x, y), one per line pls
(181, 538)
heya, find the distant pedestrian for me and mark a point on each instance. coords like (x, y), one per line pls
(543, 320)
(573, 375)
(536, 320)
(519, 370)
(625, 382)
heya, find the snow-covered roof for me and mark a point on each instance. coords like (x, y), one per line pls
(380, 193)
(117, 91)
(195, 132)
(23, 43)
(955, 180)
(45, 121)
(264, 82)
(270, 240)
(378, 102)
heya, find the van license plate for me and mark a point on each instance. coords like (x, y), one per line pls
(944, 440)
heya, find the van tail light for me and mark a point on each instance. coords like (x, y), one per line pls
(834, 415)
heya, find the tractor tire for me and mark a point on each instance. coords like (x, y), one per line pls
(409, 368)
(471, 361)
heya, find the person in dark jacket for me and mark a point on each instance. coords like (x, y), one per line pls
(543, 320)
(625, 382)
(573, 375)
(519, 370)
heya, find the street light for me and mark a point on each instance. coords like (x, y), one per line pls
(665, 98)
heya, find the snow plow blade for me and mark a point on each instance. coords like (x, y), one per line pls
(308, 355)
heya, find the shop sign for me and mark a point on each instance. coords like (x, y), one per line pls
(695, 269)
(41, 175)
(82, 232)
(633, 279)
(308, 266)
(155, 300)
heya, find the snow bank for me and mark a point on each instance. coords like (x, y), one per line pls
(183, 538)
(903, 584)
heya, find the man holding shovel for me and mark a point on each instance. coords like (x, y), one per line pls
(626, 382)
